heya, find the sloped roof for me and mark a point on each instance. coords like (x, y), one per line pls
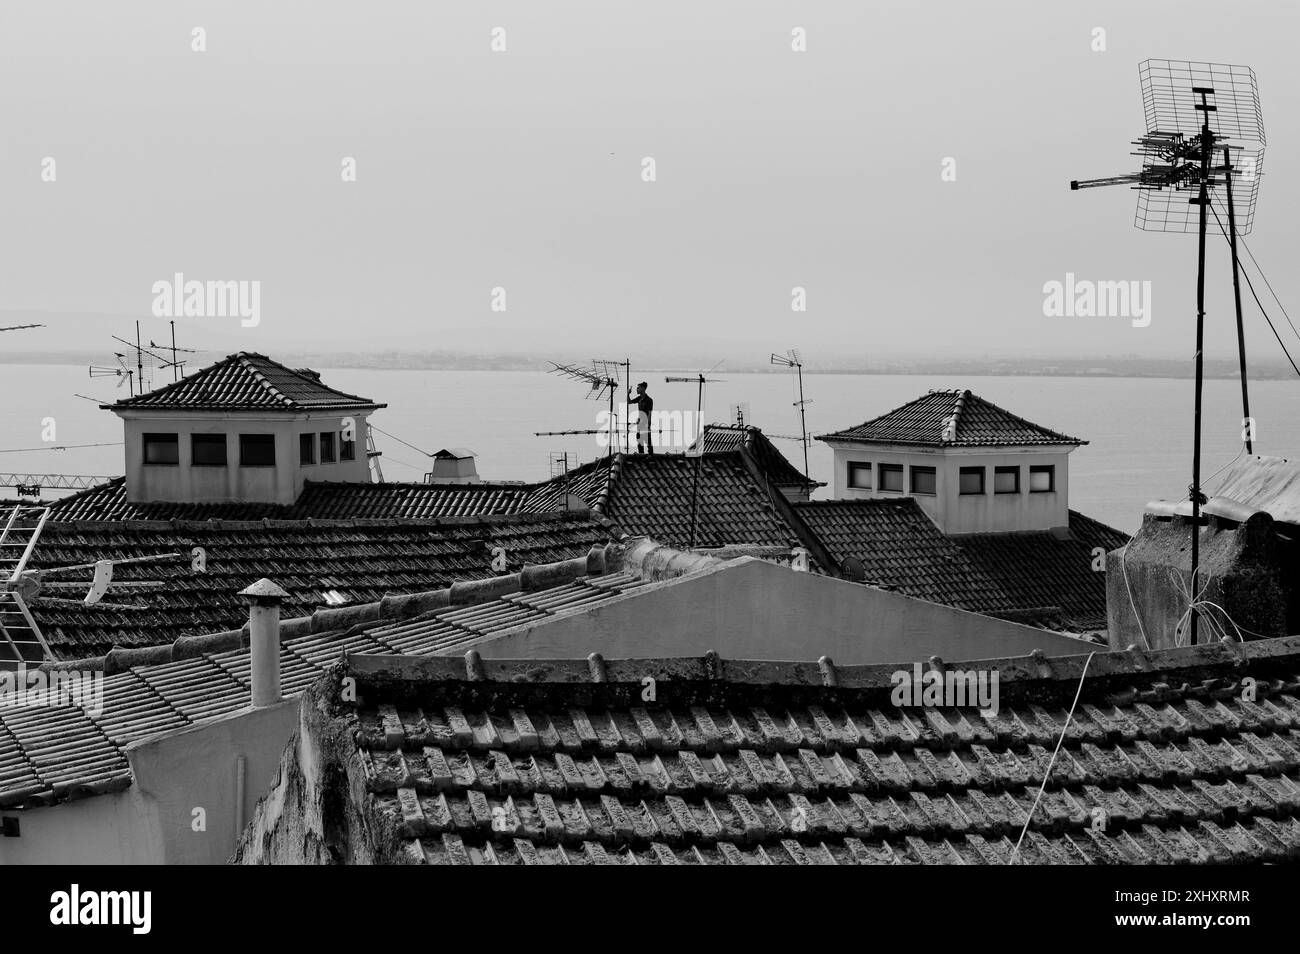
(473, 761)
(389, 501)
(52, 752)
(362, 560)
(720, 438)
(1037, 577)
(926, 421)
(107, 501)
(247, 381)
(1049, 577)
(901, 548)
(1249, 485)
(654, 495)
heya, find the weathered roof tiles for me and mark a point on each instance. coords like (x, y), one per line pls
(499, 762)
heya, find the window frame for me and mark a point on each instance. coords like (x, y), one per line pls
(963, 472)
(210, 440)
(884, 469)
(924, 470)
(1050, 470)
(347, 449)
(160, 438)
(857, 467)
(1008, 469)
(327, 440)
(264, 440)
(307, 441)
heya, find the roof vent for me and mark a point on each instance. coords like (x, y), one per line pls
(453, 465)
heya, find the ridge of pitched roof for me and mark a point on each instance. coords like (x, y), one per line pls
(1035, 673)
(243, 381)
(951, 417)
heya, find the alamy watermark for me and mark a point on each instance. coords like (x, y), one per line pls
(179, 298)
(667, 429)
(948, 689)
(1083, 298)
(52, 687)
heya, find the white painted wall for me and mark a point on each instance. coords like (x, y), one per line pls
(953, 512)
(186, 483)
(752, 609)
(153, 821)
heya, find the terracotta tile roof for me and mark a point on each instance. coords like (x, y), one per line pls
(953, 418)
(721, 438)
(361, 561)
(450, 761)
(1038, 578)
(587, 482)
(49, 753)
(325, 500)
(899, 547)
(247, 381)
(1050, 575)
(421, 501)
(107, 501)
(651, 495)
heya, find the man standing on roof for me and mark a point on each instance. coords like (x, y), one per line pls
(645, 406)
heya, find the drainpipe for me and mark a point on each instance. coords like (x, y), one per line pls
(264, 640)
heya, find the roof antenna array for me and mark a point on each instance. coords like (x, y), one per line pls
(601, 380)
(1204, 127)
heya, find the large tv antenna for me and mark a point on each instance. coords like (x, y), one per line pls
(601, 380)
(1204, 134)
(792, 359)
(122, 372)
(699, 379)
(696, 449)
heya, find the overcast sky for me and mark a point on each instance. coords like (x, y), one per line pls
(523, 169)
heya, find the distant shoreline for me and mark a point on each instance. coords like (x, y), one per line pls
(1216, 369)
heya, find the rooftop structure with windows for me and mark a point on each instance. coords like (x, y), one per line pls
(246, 429)
(972, 466)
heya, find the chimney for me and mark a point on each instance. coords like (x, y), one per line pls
(453, 466)
(264, 640)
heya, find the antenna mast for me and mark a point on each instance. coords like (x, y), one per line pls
(791, 359)
(1184, 133)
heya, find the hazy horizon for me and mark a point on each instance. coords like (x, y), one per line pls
(522, 170)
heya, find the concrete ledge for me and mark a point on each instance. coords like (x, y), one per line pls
(478, 591)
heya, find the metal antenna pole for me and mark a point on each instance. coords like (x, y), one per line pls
(175, 367)
(803, 429)
(1236, 297)
(1203, 200)
(139, 357)
(1177, 152)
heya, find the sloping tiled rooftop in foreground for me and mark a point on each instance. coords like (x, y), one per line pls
(318, 562)
(48, 754)
(510, 762)
(1040, 578)
(951, 418)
